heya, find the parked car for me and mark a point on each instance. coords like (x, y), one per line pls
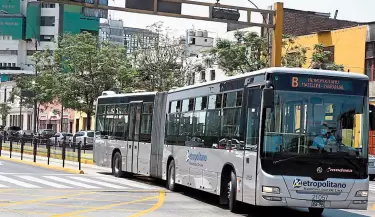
(25, 135)
(80, 137)
(11, 133)
(44, 135)
(58, 138)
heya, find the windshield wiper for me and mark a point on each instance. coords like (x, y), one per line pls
(289, 158)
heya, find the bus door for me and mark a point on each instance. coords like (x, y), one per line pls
(135, 110)
(253, 108)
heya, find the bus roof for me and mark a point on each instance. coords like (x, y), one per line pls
(127, 94)
(280, 70)
(258, 72)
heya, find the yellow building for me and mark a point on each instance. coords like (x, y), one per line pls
(347, 47)
(80, 120)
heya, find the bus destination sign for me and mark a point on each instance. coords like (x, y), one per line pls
(321, 83)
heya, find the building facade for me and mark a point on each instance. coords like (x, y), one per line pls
(112, 31)
(136, 38)
(25, 27)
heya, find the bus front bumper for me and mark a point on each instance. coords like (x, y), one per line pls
(291, 202)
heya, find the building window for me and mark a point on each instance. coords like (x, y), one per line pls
(30, 52)
(47, 21)
(48, 5)
(203, 76)
(13, 65)
(212, 74)
(29, 122)
(331, 50)
(370, 60)
(192, 41)
(47, 38)
(9, 52)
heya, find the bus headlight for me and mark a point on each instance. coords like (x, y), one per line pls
(270, 189)
(361, 194)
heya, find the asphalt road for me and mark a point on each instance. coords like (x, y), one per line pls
(31, 191)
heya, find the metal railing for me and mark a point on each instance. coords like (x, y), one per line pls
(51, 147)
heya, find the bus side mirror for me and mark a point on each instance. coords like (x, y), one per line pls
(268, 98)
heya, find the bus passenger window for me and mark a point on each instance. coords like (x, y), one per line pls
(173, 122)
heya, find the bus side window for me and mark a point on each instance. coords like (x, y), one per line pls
(173, 122)
(146, 125)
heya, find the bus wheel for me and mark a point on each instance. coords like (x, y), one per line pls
(117, 165)
(316, 211)
(232, 193)
(171, 179)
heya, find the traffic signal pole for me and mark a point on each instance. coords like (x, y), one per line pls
(277, 36)
(276, 26)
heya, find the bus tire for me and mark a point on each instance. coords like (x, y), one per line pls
(232, 193)
(171, 179)
(117, 165)
(316, 212)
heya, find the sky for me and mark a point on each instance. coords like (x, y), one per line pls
(355, 10)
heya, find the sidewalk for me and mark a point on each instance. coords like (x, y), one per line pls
(55, 164)
(86, 158)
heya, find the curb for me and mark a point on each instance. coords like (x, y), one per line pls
(53, 155)
(68, 170)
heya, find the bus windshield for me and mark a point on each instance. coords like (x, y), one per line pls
(314, 123)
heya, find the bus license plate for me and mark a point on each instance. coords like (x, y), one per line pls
(317, 204)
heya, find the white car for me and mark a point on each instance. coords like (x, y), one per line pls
(371, 167)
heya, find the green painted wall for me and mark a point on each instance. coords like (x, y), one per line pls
(13, 26)
(75, 22)
(11, 6)
(33, 20)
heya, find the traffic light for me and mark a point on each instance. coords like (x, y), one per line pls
(225, 13)
(148, 5)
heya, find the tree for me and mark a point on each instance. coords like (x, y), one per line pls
(78, 72)
(250, 53)
(294, 54)
(4, 112)
(163, 65)
(320, 59)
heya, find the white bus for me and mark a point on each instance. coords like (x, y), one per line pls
(274, 137)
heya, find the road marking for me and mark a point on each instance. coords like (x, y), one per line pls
(125, 182)
(16, 182)
(75, 213)
(98, 183)
(1, 163)
(153, 208)
(44, 182)
(44, 199)
(83, 185)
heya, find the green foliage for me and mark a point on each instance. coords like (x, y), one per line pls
(163, 65)
(248, 53)
(4, 111)
(294, 54)
(320, 59)
(78, 72)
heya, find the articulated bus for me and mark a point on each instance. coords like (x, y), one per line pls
(275, 137)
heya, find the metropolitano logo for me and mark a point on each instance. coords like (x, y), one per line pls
(297, 183)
